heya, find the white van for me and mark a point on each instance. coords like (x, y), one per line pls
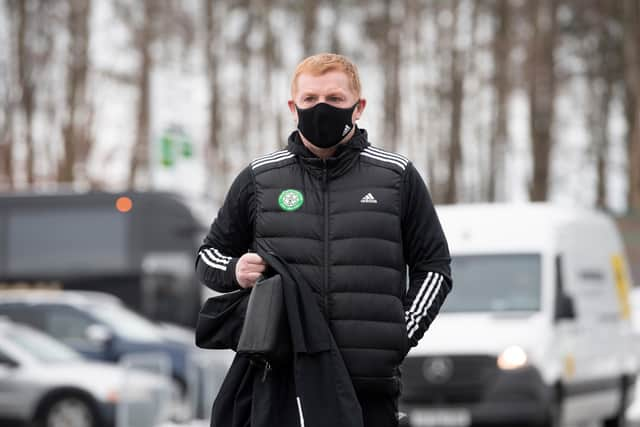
(536, 330)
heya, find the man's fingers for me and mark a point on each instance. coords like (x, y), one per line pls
(252, 258)
(253, 268)
(253, 276)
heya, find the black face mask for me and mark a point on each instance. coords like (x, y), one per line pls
(325, 125)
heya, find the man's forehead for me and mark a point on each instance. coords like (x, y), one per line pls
(331, 81)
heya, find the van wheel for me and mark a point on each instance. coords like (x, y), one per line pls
(619, 419)
(554, 415)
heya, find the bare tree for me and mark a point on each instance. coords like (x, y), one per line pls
(149, 21)
(6, 142)
(383, 27)
(541, 76)
(143, 39)
(631, 19)
(604, 70)
(215, 154)
(76, 131)
(26, 81)
(272, 66)
(501, 48)
(244, 92)
(309, 18)
(456, 98)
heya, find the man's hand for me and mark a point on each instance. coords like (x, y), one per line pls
(248, 269)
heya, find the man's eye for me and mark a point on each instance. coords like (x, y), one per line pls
(308, 99)
(335, 99)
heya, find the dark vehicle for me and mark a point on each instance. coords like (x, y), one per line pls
(137, 246)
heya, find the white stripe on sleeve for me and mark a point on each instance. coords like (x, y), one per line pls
(424, 310)
(204, 256)
(411, 314)
(382, 159)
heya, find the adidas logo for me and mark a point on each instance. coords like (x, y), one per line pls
(346, 130)
(368, 198)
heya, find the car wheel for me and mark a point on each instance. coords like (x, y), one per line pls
(180, 403)
(69, 411)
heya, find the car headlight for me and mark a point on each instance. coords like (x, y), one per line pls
(513, 357)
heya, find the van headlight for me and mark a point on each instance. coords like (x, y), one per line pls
(513, 357)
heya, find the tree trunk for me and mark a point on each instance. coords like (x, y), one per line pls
(598, 119)
(27, 86)
(215, 154)
(335, 45)
(270, 61)
(245, 90)
(501, 51)
(602, 74)
(6, 145)
(632, 95)
(75, 128)
(456, 97)
(140, 157)
(309, 18)
(542, 92)
(391, 59)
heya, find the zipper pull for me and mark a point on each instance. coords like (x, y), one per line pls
(267, 369)
(325, 175)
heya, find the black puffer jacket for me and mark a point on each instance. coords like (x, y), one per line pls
(350, 225)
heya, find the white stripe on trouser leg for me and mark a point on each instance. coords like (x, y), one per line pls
(426, 309)
(413, 313)
(300, 411)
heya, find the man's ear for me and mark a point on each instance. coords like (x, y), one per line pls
(292, 108)
(362, 103)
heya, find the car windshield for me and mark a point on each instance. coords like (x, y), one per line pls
(125, 323)
(41, 346)
(494, 283)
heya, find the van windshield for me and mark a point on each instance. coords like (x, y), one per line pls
(494, 283)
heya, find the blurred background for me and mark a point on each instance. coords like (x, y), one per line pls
(493, 100)
(151, 108)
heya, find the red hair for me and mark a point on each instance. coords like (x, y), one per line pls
(324, 62)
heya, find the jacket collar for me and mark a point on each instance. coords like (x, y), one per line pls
(336, 165)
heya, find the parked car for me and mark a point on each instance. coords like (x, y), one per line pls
(537, 327)
(44, 382)
(100, 327)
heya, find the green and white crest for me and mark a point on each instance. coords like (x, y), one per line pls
(290, 200)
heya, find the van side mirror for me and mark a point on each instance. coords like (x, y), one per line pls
(565, 308)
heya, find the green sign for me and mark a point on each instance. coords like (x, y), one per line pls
(174, 143)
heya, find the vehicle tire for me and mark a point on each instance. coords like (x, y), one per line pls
(619, 419)
(180, 402)
(68, 411)
(554, 415)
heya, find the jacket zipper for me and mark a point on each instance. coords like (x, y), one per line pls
(325, 280)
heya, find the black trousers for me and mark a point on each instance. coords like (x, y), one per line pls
(379, 410)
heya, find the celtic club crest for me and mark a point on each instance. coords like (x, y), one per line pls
(290, 200)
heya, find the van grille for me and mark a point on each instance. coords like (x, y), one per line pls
(447, 379)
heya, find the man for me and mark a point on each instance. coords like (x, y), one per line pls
(350, 218)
